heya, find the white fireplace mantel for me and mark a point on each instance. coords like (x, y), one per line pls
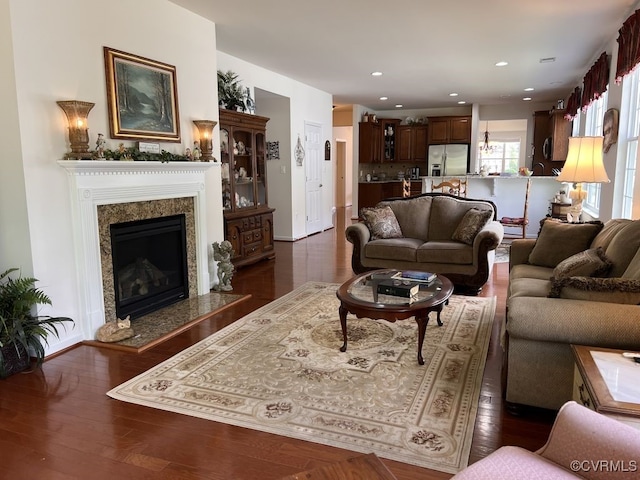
(94, 183)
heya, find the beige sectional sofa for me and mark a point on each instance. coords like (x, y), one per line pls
(436, 234)
(596, 288)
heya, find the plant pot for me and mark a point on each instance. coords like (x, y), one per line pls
(14, 361)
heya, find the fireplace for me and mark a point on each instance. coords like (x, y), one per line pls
(149, 264)
(105, 193)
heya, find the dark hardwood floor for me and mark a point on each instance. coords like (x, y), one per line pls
(57, 423)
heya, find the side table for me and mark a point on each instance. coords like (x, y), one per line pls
(607, 382)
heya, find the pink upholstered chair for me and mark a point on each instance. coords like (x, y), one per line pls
(582, 444)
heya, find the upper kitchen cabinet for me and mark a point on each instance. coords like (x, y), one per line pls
(412, 143)
(449, 130)
(370, 143)
(551, 134)
(560, 131)
(378, 141)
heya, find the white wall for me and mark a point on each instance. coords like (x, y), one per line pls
(308, 104)
(57, 48)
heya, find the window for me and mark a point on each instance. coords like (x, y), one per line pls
(593, 128)
(503, 156)
(628, 140)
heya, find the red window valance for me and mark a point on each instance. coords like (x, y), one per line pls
(628, 46)
(595, 81)
(574, 102)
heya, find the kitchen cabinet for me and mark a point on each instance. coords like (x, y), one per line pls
(248, 219)
(378, 141)
(449, 130)
(560, 131)
(412, 143)
(551, 132)
(371, 193)
(370, 142)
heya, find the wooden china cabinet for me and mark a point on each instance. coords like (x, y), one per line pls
(248, 220)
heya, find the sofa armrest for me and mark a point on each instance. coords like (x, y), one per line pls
(493, 231)
(520, 250)
(581, 322)
(358, 234)
(582, 435)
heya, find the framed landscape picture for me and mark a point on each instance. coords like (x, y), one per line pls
(142, 97)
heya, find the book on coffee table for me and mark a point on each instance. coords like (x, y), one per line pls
(416, 276)
(399, 288)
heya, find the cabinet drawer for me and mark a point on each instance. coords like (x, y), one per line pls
(251, 249)
(251, 236)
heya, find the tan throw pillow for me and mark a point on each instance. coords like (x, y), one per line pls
(470, 225)
(382, 222)
(558, 241)
(590, 263)
(609, 290)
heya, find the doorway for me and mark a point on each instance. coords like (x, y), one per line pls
(341, 177)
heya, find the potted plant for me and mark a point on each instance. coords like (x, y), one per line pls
(230, 92)
(23, 333)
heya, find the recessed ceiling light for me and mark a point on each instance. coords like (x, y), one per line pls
(399, 105)
(461, 102)
(502, 64)
(376, 74)
(526, 99)
(384, 98)
(548, 60)
(529, 89)
(453, 94)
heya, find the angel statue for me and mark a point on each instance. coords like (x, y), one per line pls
(222, 254)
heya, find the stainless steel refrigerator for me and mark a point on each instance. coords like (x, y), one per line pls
(447, 160)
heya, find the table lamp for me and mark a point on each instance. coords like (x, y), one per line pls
(583, 165)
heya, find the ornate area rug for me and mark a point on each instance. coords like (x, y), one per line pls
(502, 253)
(279, 370)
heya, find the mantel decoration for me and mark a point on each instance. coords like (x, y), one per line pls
(142, 97)
(299, 152)
(205, 129)
(232, 95)
(77, 113)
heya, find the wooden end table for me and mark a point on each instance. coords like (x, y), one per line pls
(607, 382)
(359, 297)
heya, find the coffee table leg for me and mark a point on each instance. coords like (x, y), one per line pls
(343, 322)
(422, 321)
(438, 311)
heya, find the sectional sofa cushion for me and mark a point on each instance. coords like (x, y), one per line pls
(558, 241)
(472, 222)
(382, 222)
(623, 248)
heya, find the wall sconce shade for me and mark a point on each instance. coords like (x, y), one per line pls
(205, 130)
(77, 113)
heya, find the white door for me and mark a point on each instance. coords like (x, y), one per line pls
(313, 171)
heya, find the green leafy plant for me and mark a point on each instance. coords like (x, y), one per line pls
(20, 329)
(230, 92)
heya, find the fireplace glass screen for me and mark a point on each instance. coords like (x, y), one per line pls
(149, 264)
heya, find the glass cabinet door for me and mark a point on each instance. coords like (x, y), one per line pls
(225, 169)
(243, 150)
(261, 171)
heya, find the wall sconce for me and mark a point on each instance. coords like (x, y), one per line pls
(77, 113)
(205, 129)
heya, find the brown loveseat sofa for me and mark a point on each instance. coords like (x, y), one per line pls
(435, 236)
(596, 293)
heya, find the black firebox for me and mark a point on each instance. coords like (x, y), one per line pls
(149, 264)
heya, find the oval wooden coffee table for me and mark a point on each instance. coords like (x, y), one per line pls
(359, 296)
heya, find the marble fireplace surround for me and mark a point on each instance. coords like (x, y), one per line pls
(95, 184)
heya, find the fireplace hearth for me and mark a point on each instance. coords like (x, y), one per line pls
(149, 264)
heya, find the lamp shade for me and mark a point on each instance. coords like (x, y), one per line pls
(584, 161)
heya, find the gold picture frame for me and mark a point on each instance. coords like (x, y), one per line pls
(142, 97)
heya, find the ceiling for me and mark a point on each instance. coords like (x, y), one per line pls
(426, 49)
